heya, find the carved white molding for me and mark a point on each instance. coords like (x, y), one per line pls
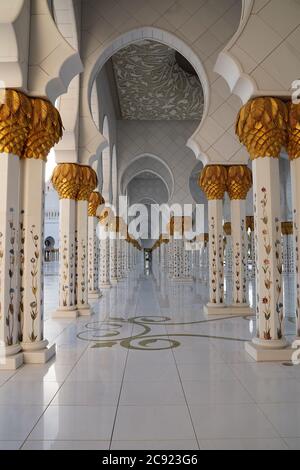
(14, 43)
(53, 63)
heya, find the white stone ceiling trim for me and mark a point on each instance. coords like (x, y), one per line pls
(263, 57)
(53, 62)
(14, 43)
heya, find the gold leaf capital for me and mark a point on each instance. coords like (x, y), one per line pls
(95, 201)
(294, 131)
(15, 121)
(262, 126)
(212, 181)
(239, 182)
(66, 180)
(88, 182)
(46, 129)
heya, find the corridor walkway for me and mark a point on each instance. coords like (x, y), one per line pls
(149, 371)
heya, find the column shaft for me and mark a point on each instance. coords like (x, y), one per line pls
(10, 302)
(216, 252)
(67, 275)
(104, 269)
(93, 259)
(33, 204)
(269, 310)
(82, 259)
(239, 248)
(295, 174)
(114, 259)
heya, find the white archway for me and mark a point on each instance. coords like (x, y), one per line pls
(164, 37)
(148, 163)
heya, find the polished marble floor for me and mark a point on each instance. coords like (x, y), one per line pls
(150, 371)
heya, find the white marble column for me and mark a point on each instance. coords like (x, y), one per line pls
(171, 257)
(216, 256)
(34, 345)
(251, 246)
(93, 257)
(295, 174)
(228, 249)
(187, 264)
(88, 182)
(113, 258)
(269, 287)
(95, 201)
(269, 115)
(10, 302)
(239, 251)
(66, 181)
(239, 183)
(104, 268)
(213, 181)
(288, 248)
(120, 259)
(67, 260)
(82, 258)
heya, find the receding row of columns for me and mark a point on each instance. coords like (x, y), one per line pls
(96, 249)
(265, 126)
(29, 128)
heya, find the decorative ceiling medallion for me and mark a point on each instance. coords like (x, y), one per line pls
(153, 86)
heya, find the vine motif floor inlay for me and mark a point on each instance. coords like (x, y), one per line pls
(103, 333)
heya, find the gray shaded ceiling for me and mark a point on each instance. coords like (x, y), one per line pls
(142, 188)
(152, 86)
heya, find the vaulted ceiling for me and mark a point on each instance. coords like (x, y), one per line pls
(153, 84)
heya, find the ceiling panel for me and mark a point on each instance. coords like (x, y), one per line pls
(152, 86)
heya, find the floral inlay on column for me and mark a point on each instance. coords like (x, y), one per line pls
(294, 156)
(297, 261)
(213, 279)
(65, 263)
(278, 256)
(22, 260)
(10, 315)
(34, 282)
(266, 301)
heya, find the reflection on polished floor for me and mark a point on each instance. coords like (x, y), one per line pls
(150, 371)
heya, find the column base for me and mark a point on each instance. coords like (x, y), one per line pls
(240, 309)
(105, 286)
(65, 313)
(215, 309)
(86, 311)
(94, 295)
(11, 362)
(264, 353)
(38, 356)
(182, 279)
